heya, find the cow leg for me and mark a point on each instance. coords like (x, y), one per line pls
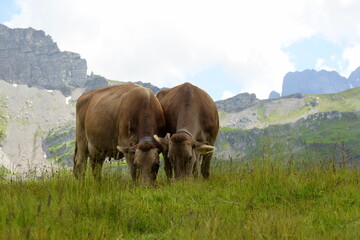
(132, 168)
(96, 160)
(96, 164)
(196, 167)
(80, 158)
(205, 165)
(168, 168)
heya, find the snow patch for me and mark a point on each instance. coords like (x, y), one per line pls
(14, 85)
(67, 99)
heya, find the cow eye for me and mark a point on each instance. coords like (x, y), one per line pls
(190, 158)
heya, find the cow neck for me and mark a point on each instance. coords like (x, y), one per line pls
(184, 131)
(147, 139)
(151, 139)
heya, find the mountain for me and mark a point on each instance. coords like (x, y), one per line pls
(313, 82)
(30, 57)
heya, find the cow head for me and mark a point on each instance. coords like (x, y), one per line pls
(183, 152)
(145, 161)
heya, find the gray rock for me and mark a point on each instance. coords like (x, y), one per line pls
(238, 102)
(149, 85)
(274, 95)
(30, 57)
(95, 81)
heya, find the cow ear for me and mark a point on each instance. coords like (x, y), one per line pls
(204, 148)
(126, 150)
(164, 142)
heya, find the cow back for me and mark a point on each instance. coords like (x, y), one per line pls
(189, 107)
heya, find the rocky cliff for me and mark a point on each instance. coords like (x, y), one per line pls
(237, 103)
(30, 57)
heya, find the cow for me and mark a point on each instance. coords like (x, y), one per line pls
(192, 123)
(119, 121)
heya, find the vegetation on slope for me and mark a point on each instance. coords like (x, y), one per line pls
(3, 119)
(59, 144)
(324, 133)
(265, 198)
(292, 108)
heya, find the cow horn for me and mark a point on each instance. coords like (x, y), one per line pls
(164, 142)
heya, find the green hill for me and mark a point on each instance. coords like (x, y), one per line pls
(324, 123)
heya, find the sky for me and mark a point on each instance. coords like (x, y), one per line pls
(224, 47)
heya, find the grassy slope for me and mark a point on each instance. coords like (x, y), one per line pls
(262, 199)
(326, 132)
(325, 136)
(347, 101)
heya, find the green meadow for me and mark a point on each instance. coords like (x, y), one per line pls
(266, 197)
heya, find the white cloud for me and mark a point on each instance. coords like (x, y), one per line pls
(320, 65)
(227, 94)
(352, 56)
(164, 41)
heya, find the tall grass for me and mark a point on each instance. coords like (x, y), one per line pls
(264, 198)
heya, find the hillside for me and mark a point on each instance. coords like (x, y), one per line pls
(320, 123)
(26, 117)
(37, 126)
(289, 109)
(40, 85)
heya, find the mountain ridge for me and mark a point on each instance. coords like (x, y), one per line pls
(311, 81)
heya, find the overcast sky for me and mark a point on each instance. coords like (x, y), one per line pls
(224, 47)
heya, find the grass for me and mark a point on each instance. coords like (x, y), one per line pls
(263, 198)
(347, 101)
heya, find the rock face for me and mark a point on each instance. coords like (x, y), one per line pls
(32, 58)
(148, 85)
(313, 82)
(95, 81)
(237, 103)
(274, 95)
(354, 78)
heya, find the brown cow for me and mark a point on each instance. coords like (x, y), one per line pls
(192, 118)
(123, 117)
